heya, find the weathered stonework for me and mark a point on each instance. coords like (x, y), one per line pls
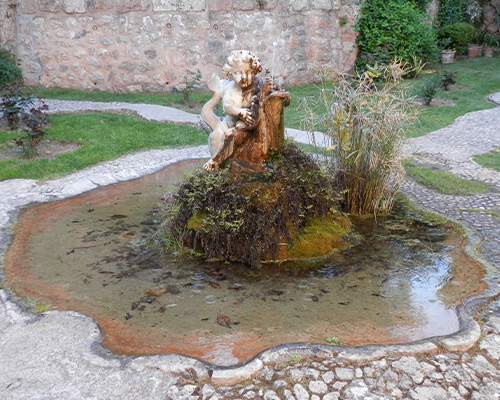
(149, 45)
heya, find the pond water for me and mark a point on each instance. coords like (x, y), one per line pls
(88, 254)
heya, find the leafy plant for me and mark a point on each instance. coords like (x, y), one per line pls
(26, 114)
(191, 80)
(428, 90)
(333, 340)
(37, 305)
(365, 125)
(343, 21)
(393, 29)
(459, 34)
(452, 12)
(492, 40)
(448, 79)
(10, 73)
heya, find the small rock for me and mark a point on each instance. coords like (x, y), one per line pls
(319, 387)
(344, 374)
(300, 392)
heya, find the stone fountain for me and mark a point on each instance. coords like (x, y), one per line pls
(248, 156)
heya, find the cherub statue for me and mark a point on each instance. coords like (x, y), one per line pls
(239, 101)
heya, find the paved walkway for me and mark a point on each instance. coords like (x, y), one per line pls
(58, 355)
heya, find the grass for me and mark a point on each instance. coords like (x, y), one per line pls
(124, 134)
(489, 160)
(479, 77)
(37, 306)
(101, 137)
(446, 183)
(476, 77)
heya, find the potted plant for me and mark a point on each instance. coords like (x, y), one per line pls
(475, 48)
(447, 54)
(490, 41)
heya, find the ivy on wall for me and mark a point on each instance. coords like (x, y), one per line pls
(452, 12)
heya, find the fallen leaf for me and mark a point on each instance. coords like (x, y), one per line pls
(223, 320)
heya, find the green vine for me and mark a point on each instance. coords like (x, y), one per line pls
(452, 12)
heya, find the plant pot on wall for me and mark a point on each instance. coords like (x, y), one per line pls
(488, 51)
(473, 50)
(448, 56)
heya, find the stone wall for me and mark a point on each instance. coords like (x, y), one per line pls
(149, 45)
(7, 23)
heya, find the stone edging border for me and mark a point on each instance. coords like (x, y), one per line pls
(115, 171)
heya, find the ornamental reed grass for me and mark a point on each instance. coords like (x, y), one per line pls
(365, 124)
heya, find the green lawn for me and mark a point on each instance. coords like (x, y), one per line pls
(446, 183)
(476, 77)
(101, 137)
(107, 136)
(489, 160)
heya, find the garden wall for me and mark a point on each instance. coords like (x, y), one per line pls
(149, 45)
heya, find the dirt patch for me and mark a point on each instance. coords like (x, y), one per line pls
(437, 103)
(458, 88)
(47, 148)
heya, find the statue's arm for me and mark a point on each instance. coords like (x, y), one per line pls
(230, 104)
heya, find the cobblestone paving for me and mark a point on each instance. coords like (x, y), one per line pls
(422, 371)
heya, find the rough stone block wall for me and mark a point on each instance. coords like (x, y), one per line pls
(7, 23)
(149, 45)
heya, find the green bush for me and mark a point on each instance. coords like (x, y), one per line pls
(393, 29)
(452, 12)
(460, 34)
(10, 73)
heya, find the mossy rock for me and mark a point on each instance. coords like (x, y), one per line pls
(281, 213)
(320, 238)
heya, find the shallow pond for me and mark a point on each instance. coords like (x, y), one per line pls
(87, 254)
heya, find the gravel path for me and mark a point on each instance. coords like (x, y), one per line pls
(58, 355)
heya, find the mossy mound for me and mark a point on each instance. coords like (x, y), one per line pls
(287, 212)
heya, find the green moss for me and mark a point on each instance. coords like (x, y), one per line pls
(253, 218)
(320, 238)
(195, 222)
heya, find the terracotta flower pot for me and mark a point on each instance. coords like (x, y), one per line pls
(473, 50)
(488, 52)
(448, 56)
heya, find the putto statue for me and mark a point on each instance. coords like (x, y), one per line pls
(253, 125)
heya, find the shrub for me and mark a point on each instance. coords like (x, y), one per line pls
(365, 125)
(460, 34)
(390, 29)
(452, 12)
(191, 80)
(448, 79)
(10, 73)
(26, 114)
(428, 90)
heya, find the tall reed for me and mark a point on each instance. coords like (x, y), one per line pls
(365, 127)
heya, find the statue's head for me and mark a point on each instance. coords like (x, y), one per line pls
(242, 66)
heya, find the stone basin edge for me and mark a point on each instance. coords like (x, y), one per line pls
(19, 193)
